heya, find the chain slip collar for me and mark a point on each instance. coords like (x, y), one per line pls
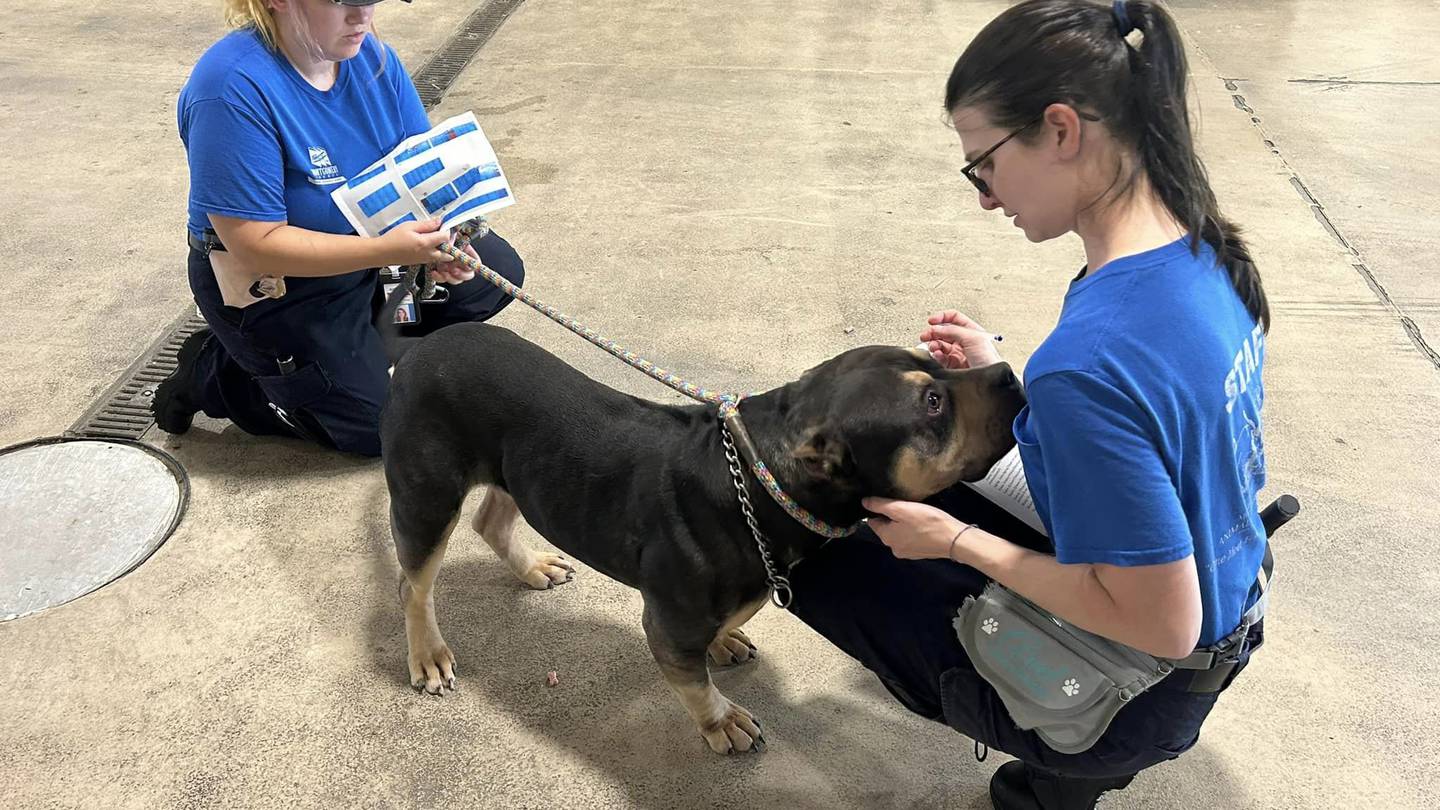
(733, 433)
(730, 419)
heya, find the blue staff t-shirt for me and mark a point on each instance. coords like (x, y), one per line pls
(1142, 439)
(265, 145)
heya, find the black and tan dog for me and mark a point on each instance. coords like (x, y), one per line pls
(642, 492)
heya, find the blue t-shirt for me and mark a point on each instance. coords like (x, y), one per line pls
(1142, 439)
(265, 145)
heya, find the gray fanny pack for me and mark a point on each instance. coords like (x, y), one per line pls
(1062, 682)
(1066, 684)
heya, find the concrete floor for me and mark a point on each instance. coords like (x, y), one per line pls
(737, 191)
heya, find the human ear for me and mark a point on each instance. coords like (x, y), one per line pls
(1062, 125)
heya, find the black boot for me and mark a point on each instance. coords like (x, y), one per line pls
(174, 406)
(1017, 786)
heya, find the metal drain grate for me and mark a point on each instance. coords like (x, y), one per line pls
(124, 411)
(440, 70)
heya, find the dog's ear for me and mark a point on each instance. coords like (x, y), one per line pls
(823, 454)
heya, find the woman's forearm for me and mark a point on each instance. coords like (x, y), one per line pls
(284, 250)
(1160, 616)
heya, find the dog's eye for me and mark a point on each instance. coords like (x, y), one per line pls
(933, 402)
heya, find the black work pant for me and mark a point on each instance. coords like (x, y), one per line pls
(894, 616)
(335, 384)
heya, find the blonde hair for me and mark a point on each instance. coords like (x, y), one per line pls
(252, 14)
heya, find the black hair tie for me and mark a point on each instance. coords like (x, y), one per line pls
(1122, 18)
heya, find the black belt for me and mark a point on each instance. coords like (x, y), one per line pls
(1216, 676)
(210, 241)
(1209, 670)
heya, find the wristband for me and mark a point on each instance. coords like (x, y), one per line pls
(967, 527)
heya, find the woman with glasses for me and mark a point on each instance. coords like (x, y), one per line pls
(1142, 439)
(298, 98)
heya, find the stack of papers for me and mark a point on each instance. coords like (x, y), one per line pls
(450, 172)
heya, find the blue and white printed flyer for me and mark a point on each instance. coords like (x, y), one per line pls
(450, 172)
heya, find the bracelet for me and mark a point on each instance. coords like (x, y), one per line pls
(967, 527)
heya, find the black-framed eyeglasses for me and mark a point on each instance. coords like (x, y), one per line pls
(970, 168)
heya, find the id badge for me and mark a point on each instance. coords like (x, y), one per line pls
(406, 312)
(390, 278)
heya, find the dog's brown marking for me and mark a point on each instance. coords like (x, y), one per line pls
(432, 664)
(918, 474)
(726, 726)
(917, 378)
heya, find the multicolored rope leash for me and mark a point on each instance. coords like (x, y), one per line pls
(731, 427)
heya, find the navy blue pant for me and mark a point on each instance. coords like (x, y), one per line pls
(340, 375)
(894, 616)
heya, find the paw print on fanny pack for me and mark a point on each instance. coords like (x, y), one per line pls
(1071, 687)
(990, 626)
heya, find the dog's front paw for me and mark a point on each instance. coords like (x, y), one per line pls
(547, 570)
(731, 647)
(432, 667)
(737, 731)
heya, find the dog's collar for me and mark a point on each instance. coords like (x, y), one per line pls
(730, 418)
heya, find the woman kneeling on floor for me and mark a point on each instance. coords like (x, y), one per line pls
(298, 98)
(1141, 441)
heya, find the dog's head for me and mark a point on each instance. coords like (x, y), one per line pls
(881, 420)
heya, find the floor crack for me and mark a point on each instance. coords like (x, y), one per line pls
(1412, 329)
(1376, 82)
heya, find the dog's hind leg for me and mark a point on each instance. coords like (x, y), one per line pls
(680, 648)
(495, 521)
(420, 540)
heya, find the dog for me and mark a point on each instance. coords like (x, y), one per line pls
(642, 492)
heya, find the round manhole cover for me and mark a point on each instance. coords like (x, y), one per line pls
(77, 514)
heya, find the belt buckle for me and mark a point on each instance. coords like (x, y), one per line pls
(210, 241)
